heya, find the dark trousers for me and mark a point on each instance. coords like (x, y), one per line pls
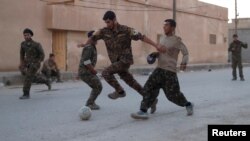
(121, 69)
(52, 73)
(166, 80)
(31, 75)
(237, 63)
(94, 82)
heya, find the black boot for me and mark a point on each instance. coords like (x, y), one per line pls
(25, 96)
(48, 83)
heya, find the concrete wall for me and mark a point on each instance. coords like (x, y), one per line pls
(195, 21)
(15, 16)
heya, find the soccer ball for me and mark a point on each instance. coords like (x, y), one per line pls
(85, 113)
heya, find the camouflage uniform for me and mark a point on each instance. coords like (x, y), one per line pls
(118, 44)
(165, 75)
(235, 48)
(50, 69)
(31, 54)
(89, 55)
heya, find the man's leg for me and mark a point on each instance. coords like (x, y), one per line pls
(173, 93)
(58, 76)
(56, 73)
(129, 79)
(234, 65)
(46, 73)
(28, 79)
(241, 70)
(94, 82)
(108, 75)
(151, 92)
(39, 78)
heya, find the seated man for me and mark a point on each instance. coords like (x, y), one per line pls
(50, 68)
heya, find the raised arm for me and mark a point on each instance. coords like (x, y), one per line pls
(97, 35)
(244, 45)
(157, 46)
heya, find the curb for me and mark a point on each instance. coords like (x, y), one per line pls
(15, 78)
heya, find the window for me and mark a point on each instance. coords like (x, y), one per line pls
(212, 39)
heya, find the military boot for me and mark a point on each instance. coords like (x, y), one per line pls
(93, 106)
(116, 95)
(48, 83)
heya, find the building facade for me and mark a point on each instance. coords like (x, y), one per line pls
(59, 25)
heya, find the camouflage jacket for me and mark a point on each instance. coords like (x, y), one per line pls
(31, 52)
(235, 48)
(89, 56)
(118, 42)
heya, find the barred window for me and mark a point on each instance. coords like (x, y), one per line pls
(212, 39)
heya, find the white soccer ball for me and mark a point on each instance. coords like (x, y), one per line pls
(85, 113)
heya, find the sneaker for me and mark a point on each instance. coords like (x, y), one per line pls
(242, 79)
(190, 109)
(94, 106)
(24, 97)
(116, 95)
(234, 79)
(140, 115)
(153, 107)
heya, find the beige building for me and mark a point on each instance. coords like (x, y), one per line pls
(60, 24)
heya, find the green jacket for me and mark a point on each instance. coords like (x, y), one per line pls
(235, 48)
(31, 52)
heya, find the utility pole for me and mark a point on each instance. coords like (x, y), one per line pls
(174, 10)
(236, 18)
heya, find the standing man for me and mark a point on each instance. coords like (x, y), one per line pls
(87, 72)
(165, 75)
(235, 48)
(31, 56)
(50, 68)
(117, 39)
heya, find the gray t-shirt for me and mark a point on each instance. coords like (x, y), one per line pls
(168, 60)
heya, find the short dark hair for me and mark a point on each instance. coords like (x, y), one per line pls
(171, 21)
(90, 33)
(109, 15)
(27, 30)
(235, 35)
(51, 55)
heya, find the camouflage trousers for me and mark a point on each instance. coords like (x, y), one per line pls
(237, 63)
(52, 73)
(166, 80)
(121, 69)
(31, 75)
(94, 82)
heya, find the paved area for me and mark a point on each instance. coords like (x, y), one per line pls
(53, 115)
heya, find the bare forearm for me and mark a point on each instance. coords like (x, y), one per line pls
(149, 41)
(83, 44)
